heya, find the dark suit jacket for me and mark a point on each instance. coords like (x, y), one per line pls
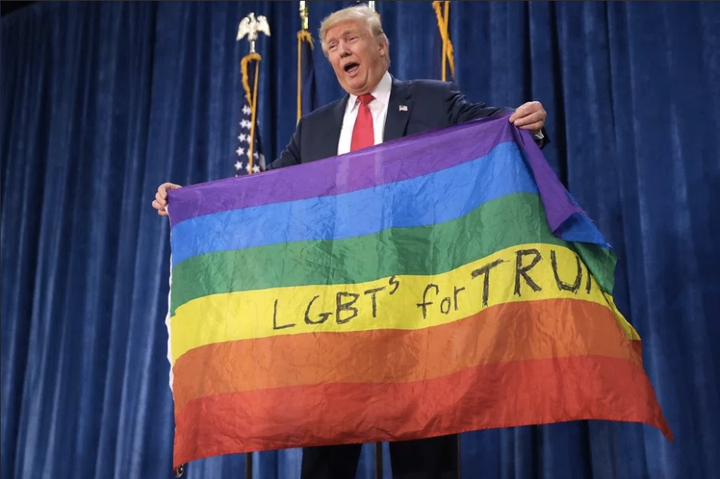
(430, 105)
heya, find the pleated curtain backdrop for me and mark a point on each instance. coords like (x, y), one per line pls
(103, 101)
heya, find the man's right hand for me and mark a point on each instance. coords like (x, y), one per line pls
(160, 201)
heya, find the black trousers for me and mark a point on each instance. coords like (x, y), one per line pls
(433, 458)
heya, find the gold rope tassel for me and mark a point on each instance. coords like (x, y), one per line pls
(443, 27)
(251, 99)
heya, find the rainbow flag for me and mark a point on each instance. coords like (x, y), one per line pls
(436, 284)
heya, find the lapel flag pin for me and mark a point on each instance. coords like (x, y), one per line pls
(403, 108)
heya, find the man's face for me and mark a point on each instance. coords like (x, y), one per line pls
(357, 58)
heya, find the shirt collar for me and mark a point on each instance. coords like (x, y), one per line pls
(381, 92)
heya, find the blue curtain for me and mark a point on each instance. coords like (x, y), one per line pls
(101, 102)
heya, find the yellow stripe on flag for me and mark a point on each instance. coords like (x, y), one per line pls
(527, 272)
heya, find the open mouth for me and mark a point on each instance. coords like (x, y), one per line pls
(351, 68)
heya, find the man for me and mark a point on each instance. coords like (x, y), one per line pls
(376, 109)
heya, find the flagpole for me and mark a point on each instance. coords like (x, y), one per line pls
(250, 27)
(302, 35)
(253, 108)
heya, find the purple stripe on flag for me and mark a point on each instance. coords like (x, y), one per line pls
(559, 206)
(389, 162)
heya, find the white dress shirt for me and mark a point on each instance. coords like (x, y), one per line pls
(378, 109)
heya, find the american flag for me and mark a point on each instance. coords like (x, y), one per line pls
(242, 162)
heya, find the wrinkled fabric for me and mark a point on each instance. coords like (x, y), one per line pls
(381, 308)
(101, 102)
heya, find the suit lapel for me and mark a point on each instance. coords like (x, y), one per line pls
(399, 109)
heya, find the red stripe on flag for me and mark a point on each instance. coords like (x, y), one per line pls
(490, 396)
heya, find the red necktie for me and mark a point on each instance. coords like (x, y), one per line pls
(363, 132)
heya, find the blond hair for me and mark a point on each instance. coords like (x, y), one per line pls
(361, 13)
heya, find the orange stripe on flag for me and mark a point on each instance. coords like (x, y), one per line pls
(490, 396)
(508, 332)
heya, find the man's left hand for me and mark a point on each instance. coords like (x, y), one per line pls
(529, 116)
